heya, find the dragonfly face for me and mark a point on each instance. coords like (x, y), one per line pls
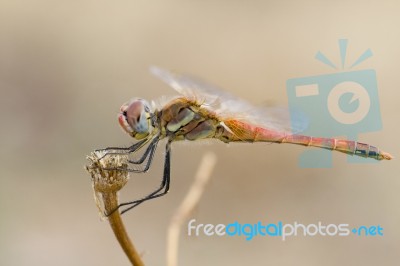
(135, 118)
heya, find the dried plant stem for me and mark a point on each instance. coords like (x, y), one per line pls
(106, 184)
(188, 204)
(110, 203)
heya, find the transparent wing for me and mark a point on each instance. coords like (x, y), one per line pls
(227, 106)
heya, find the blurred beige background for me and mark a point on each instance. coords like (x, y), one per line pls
(67, 66)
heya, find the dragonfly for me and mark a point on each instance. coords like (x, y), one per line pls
(202, 111)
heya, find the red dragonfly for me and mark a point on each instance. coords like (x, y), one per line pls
(201, 111)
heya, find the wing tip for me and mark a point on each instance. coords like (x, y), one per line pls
(155, 70)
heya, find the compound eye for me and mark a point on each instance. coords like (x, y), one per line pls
(133, 113)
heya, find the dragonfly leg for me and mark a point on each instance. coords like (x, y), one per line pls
(161, 191)
(121, 150)
(150, 149)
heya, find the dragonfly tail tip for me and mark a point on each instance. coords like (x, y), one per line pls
(386, 156)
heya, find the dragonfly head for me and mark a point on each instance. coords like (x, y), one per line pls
(135, 118)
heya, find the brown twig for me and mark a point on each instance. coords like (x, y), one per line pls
(106, 184)
(190, 201)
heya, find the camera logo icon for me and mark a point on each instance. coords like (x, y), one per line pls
(342, 104)
(358, 93)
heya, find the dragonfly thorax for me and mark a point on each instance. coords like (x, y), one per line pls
(135, 118)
